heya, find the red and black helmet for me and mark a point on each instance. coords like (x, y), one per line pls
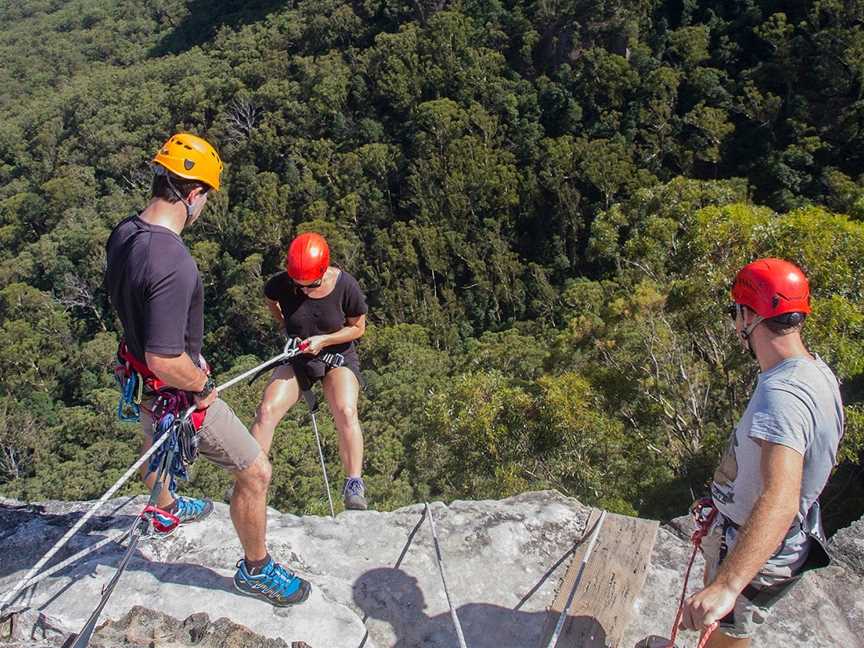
(308, 257)
(772, 287)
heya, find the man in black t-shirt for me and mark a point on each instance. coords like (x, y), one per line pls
(155, 287)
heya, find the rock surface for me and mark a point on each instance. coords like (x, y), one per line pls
(503, 560)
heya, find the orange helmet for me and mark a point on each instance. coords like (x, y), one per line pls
(190, 157)
(772, 287)
(308, 257)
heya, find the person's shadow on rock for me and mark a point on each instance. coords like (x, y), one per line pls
(394, 597)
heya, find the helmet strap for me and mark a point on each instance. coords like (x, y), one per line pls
(187, 205)
(748, 330)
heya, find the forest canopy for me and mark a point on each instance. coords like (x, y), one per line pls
(545, 203)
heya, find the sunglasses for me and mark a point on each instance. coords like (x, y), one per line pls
(733, 310)
(310, 286)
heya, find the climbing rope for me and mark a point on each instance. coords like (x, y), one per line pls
(704, 513)
(24, 582)
(312, 402)
(157, 443)
(453, 615)
(560, 625)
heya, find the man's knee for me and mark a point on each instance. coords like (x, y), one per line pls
(256, 476)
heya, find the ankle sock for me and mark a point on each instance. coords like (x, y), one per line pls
(255, 566)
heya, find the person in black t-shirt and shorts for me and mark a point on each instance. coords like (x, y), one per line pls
(323, 306)
(156, 289)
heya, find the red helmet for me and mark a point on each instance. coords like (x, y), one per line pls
(772, 287)
(308, 257)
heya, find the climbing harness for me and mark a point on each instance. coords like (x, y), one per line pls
(182, 441)
(440, 558)
(561, 618)
(704, 513)
(34, 575)
(133, 377)
(332, 360)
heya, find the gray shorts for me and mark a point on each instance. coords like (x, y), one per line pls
(223, 439)
(748, 615)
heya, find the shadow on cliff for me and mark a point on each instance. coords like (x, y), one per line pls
(394, 597)
(52, 528)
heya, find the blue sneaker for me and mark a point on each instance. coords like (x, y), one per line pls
(274, 584)
(190, 509)
(354, 494)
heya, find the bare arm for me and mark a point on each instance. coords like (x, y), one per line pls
(771, 518)
(276, 312)
(758, 539)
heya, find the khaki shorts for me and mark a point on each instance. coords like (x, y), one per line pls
(223, 439)
(746, 617)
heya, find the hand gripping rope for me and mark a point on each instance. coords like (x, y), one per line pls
(704, 513)
(31, 577)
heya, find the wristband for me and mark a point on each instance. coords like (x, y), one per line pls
(209, 386)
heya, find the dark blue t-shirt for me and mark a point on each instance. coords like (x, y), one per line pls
(154, 285)
(307, 316)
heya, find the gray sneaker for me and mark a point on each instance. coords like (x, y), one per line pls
(354, 494)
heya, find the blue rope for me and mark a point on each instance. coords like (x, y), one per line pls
(171, 424)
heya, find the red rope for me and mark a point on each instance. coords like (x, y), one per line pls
(703, 525)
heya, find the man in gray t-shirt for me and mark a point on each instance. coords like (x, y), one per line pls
(779, 458)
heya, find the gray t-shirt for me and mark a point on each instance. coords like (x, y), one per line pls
(796, 404)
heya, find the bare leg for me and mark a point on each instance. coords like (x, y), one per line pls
(249, 507)
(341, 389)
(279, 396)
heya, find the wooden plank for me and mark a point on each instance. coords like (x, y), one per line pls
(603, 604)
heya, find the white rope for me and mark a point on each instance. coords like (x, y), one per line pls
(323, 467)
(558, 626)
(287, 353)
(53, 569)
(77, 526)
(453, 615)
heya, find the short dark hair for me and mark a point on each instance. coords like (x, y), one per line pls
(162, 189)
(786, 323)
(782, 324)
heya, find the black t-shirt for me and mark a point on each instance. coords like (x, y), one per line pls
(155, 287)
(308, 316)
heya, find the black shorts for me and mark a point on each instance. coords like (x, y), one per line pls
(310, 369)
